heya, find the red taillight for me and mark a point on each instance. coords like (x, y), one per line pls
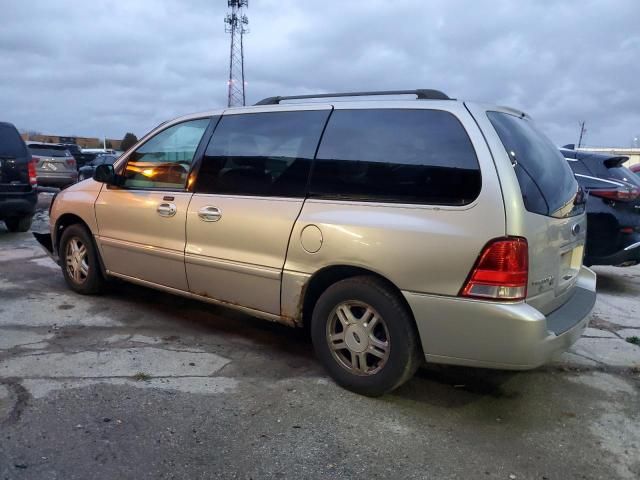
(620, 194)
(31, 168)
(71, 162)
(501, 271)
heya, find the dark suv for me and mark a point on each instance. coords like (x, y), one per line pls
(18, 196)
(613, 207)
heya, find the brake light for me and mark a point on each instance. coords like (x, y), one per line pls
(620, 194)
(501, 271)
(71, 162)
(31, 169)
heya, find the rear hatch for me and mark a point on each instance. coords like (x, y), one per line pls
(553, 221)
(52, 159)
(14, 161)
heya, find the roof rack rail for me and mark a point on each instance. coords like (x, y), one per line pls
(421, 94)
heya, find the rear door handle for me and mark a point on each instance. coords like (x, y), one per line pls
(167, 209)
(210, 214)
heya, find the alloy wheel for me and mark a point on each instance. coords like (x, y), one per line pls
(358, 338)
(77, 260)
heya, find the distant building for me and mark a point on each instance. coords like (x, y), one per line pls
(82, 142)
(632, 153)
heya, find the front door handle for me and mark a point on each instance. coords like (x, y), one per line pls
(167, 209)
(210, 214)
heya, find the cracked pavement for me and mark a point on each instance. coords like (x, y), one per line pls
(141, 384)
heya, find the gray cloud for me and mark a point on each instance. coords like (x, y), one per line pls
(107, 67)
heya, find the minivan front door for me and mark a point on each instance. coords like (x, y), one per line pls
(249, 191)
(141, 225)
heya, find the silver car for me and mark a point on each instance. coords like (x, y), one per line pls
(55, 166)
(398, 230)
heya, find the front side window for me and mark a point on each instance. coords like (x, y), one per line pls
(164, 160)
(396, 155)
(262, 154)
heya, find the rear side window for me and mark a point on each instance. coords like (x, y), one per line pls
(396, 155)
(11, 144)
(578, 167)
(546, 181)
(263, 154)
(49, 151)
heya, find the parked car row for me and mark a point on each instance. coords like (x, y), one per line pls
(613, 207)
(24, 166)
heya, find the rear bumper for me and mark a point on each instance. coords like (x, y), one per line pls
(512, 336)
(17, 204)
(57, 179)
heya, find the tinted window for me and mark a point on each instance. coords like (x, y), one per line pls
(392, 155)
(49, 150)
(165, 159)
(624, 174)
(267, 154)
(546, 181)
(578, 167)
(11, 144)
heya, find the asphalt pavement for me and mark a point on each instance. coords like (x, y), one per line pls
(141, 384)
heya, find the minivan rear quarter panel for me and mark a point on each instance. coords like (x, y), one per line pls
(446, 239)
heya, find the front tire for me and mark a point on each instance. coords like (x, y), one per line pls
(19, 224)
(79, 261)
(365, 336)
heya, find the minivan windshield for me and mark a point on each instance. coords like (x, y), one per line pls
(546, 181)
(11, 145)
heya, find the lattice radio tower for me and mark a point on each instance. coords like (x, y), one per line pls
(236, 24)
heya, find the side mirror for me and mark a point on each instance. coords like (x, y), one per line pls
(105, 173)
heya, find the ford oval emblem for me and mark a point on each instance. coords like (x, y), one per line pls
(575, 229)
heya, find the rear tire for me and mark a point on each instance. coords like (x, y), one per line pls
(365, 336)
(79, 261)
(19, 224)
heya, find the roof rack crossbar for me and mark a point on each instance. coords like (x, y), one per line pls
(421, 94)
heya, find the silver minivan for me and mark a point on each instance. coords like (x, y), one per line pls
(398, 230)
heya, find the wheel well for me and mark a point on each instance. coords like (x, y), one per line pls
(66, 220)
(326, 277)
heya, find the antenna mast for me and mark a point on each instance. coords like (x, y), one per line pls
(236, 24)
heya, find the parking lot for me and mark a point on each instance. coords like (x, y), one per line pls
(141, 384)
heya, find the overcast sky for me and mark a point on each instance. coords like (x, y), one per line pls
(73, 67)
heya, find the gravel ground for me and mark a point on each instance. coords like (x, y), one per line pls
(138, 384)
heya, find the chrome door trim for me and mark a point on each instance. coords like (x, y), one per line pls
(210, 213)
(632, 246)
(166, 209)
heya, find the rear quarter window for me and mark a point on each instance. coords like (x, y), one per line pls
(546, 180)
(396, 155)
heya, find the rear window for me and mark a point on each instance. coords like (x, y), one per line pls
(546, 181)
(11, 144)
(49, 150)
(396, 155)
(624, 174)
